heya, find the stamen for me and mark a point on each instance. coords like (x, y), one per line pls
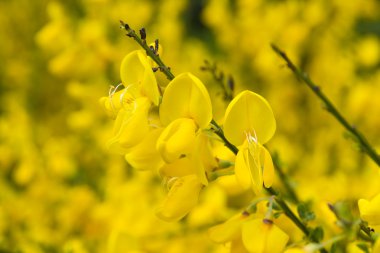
(169, 182)
(111, 93)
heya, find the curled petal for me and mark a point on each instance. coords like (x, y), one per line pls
(182, 197)
(262, 236)
(177, 139)
(186, 97)
(131, 126)
(242, 171)
(116, 100)
(136, 71)
(268, 168)
(250, 113)
(143, 156)
(229, 230)
(203, 157)
(254, 167)
(178, 168)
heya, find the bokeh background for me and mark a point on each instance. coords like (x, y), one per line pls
(61, 190)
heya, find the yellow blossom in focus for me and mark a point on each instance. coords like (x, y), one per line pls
(249, 123)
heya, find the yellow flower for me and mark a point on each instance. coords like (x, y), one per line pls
(143, 156)
(370, 210)
(249, 123)
(177, 139)
(186, 97)
(185, 110)
(130, 106)
(139, 81)
(131, 126)
(182, 197)
(263, 236)
(229, 230)
(136, 71)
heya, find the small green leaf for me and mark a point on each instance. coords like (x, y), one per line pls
(305, 213)
(316, 234)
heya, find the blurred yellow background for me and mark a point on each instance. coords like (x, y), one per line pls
(62, 191)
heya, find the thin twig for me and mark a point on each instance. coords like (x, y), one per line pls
(291, 215)
(227, 85)
(366, 147)
(151, 52)
(284, 179)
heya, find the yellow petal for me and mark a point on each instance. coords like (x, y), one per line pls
(186, 97)
(143, 156)
(249, 112)
(115, 101)
(178, 168)
(370, 210)
(229, 230)
(242, 172)
(136, 71)
(237, 246)
(254, 160)
(177, 139)
(131, 125)
(182, 197)
(203, 157)
(268, 169)
(263, 237)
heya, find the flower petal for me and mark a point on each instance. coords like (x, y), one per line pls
(178, 168)
(227, 231)
(136, 71)
(249, 112)
(370, 210)
(254, 160)
(182, 197)
(117, 100)
(186, 97)
(242, 171)
(202, 157)
(268, 168)
(177, 139)
(263, 237)
(131, 125)
(143, 156)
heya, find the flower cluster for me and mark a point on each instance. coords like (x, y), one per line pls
(168, 130)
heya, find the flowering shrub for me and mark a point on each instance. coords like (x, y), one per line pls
(232, 157)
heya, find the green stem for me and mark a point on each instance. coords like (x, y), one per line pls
(219, 131)
(291, 215)
(156, 58)
(219, 173)
(288, 212)
(284, 179)
(367, 148)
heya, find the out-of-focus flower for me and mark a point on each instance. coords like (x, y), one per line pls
(254, 235)
(131, 105)
(370, 210)
(263, 236)
(185, 111)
